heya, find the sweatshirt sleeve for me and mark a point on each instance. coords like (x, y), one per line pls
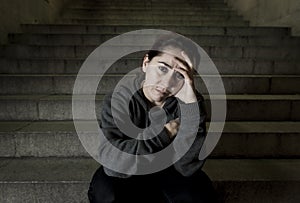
(190, 163)
(158, 136)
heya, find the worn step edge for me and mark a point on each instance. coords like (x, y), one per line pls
(284, 31)
(203, 40)
(248, 127)
(223, 23)
(283, 97)
(26, 84)
(239, 139)
(94, 12)
(225, 52)
(123, 66)
(81, 169)
(170, 18)
(112, 75)
(59, 107)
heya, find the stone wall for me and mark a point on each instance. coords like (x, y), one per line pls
(270, 12)
(15, 12)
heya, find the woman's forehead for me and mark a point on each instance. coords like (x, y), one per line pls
(175, 52)
(169, 54)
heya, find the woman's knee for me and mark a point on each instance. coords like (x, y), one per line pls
(101, 188)
(197, 188)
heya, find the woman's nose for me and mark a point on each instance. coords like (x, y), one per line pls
(169, 80)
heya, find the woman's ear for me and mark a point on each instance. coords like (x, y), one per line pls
(145, 63)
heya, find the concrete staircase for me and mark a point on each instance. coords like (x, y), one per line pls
(41, 157)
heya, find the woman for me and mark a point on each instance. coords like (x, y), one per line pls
(166, 82)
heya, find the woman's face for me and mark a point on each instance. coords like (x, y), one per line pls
(161, 80)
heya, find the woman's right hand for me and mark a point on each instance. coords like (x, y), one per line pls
(172, 127)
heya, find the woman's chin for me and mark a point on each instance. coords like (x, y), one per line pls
(158, 96)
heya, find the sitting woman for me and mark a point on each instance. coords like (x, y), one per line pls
(164, 89)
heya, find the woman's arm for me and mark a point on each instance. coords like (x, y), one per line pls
(190, 163)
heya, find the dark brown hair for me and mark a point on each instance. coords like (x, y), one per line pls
(176, 41)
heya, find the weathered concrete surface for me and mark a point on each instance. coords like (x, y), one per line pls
(15, 12)
(66, 180)
(239, 140)
(270, 12)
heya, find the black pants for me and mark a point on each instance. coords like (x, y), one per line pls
(167, 186)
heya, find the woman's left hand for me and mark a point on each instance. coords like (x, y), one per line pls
(187, 92)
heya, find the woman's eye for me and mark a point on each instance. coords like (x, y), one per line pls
(163, 69)
(179, 76)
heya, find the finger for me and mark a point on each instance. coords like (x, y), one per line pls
(184, 73)
(172, 125)
(187, 59)
(183, 64)
(177, 121)
(190, 71)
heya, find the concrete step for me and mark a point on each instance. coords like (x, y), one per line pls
(36, 180)
(232, 52)
(159, 22)
(63, 84)
(153, 1)
(202, 40)
(59, 107)
(155, 18)
(157, 1)
(142, 2)
(152, 5)
(123, 66)
(144, 12)
(185, 30)
(182, 8)
(239, 140)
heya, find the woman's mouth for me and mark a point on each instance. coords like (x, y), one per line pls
(161, 92)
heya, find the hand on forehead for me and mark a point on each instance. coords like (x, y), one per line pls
(179, 57)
